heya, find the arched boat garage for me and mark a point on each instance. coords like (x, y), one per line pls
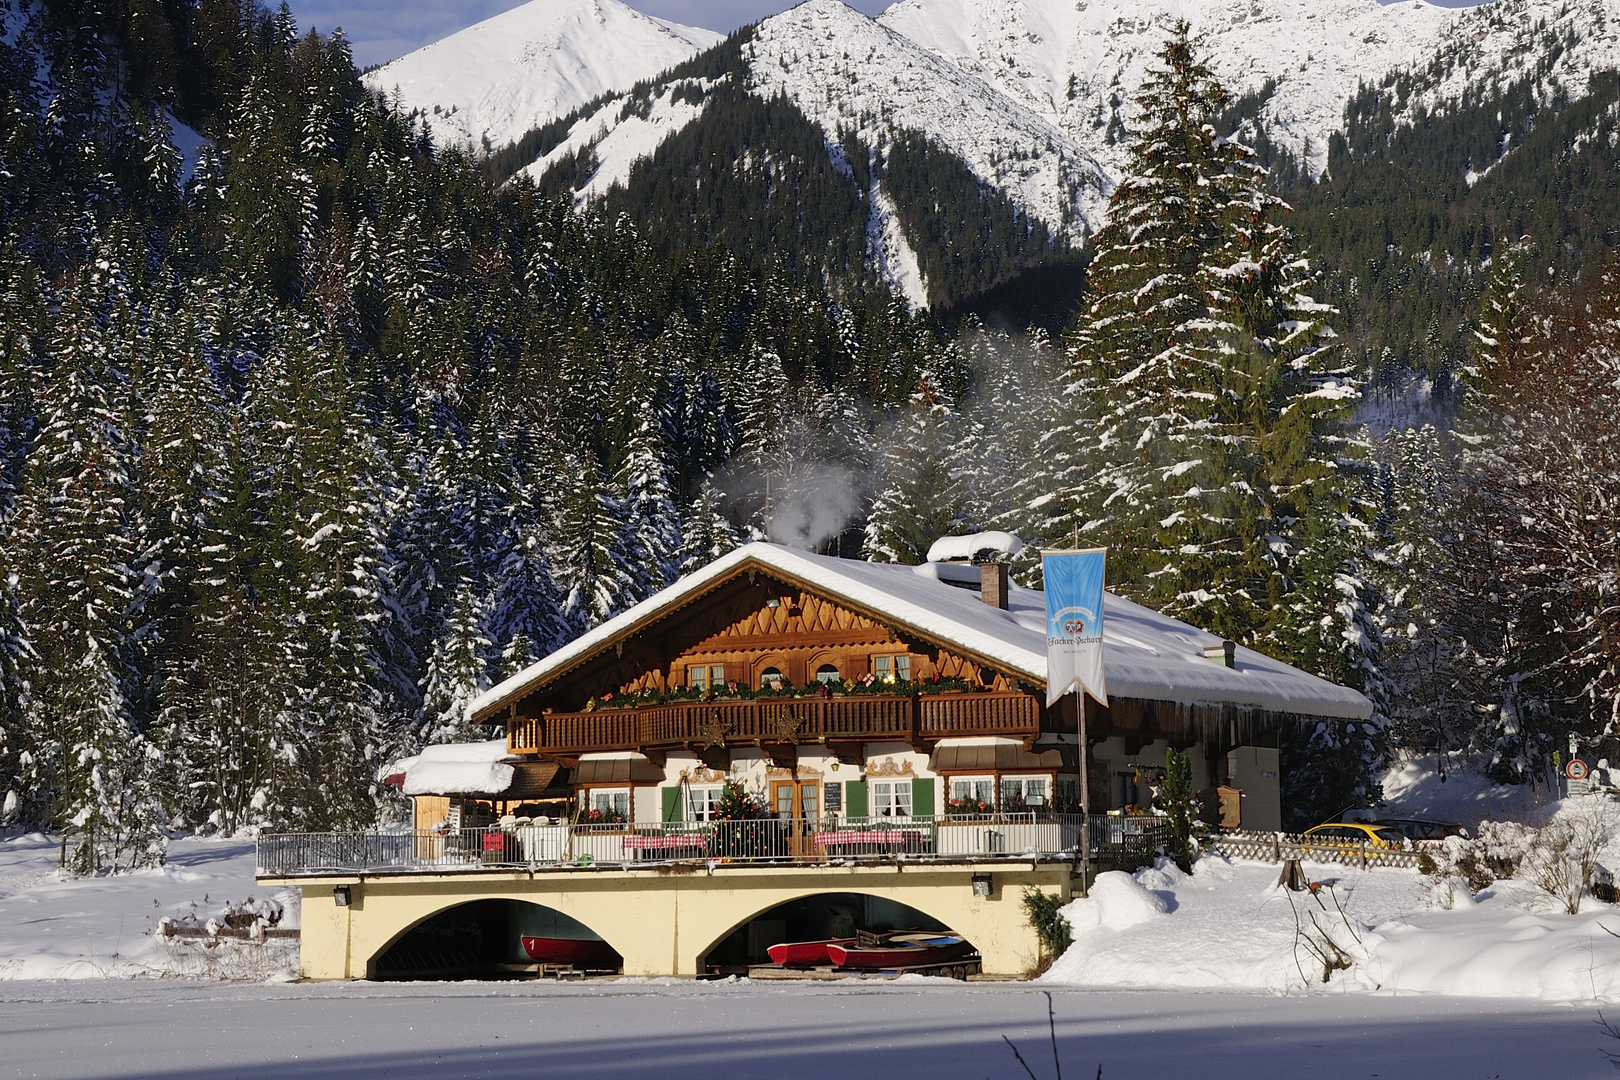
(816, 917)
(494, 939)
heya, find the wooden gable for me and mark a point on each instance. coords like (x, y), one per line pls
(745, 626)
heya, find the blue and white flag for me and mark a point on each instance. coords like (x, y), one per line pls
(1074, 623)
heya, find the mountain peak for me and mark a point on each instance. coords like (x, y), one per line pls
(498, 79)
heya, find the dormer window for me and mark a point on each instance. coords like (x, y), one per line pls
(892, 668)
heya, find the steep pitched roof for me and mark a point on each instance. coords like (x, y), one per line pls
(1146, 654)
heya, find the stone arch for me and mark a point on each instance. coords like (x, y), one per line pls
(810, 916)
(483, 936)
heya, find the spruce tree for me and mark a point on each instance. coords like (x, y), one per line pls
(1197, 434)
(923, 481)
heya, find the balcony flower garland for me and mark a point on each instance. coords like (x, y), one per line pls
(784, 690)
(594, 816)
(956, 807)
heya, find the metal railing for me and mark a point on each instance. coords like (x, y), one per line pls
(956, 838)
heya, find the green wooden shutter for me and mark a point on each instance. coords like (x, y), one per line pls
(855, 798)
(922, 797)
(672, 803)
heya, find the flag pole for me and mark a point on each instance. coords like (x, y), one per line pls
(1085, 796)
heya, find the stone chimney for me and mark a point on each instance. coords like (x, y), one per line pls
(993, 584)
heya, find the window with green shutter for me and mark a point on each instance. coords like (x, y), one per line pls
(922, 797)
(672, 804)
(855, 798)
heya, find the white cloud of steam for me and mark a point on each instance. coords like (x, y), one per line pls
(813, 504)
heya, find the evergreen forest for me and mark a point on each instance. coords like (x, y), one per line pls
(312, 429)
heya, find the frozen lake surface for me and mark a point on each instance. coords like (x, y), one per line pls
(709, 1031)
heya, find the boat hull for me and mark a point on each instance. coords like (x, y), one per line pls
(576, 951)
(805, 953)
(912, 952)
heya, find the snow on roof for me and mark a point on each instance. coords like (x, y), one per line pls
(479, 768)
(1147, 655)
(964, 548)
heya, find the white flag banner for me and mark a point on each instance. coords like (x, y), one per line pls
(1074, 623)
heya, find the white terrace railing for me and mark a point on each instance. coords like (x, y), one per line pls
(1114, 840)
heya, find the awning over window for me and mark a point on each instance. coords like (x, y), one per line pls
(619, 770)
(999, 757)
(536, 780)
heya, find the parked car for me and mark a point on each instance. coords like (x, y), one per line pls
(1352, 834)
(1423, 829)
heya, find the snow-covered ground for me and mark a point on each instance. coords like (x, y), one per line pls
(1412, 788)
(55, 926)
(1228, 926)
(1170, 975)
(675, 1031)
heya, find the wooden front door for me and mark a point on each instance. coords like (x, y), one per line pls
(797, 803)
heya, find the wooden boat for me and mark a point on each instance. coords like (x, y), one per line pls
(805, 953)
(580, 952)
(898, 951)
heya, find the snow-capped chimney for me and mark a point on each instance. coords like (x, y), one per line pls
(993, 584)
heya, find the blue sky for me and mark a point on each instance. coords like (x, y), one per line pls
(381, 30)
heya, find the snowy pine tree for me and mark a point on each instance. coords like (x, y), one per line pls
(1197, 429)
(923, 481)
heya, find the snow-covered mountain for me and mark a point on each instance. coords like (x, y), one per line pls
(851, 73)
(498, 79)
(1035, 97)
(1079, 62)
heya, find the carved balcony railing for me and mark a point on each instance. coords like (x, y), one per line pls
(867, 718)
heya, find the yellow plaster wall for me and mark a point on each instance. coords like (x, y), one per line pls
(663, 922)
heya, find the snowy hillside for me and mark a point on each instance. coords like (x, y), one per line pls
(848, 72)
(1078, 64)
(494, 81)
(616, 137)
(1558, 44)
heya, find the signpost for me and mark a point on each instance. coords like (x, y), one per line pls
(1074, 654)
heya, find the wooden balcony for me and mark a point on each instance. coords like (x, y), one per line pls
(726, 722)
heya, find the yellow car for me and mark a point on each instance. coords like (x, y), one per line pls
(1352, 834)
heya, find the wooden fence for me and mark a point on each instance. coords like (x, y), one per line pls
(1275, 847)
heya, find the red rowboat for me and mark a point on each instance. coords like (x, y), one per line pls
(805, 953)
(576, 951)
(901, 950)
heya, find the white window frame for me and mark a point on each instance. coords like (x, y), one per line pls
(703, 803)
(889, 798)
(593, 799)
(982, 788)
(1021, 783)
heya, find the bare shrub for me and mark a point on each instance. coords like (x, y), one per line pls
(1563, 860)
(1560, 858)
(1326, 934)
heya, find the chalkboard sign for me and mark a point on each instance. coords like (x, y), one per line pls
(833, 800)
